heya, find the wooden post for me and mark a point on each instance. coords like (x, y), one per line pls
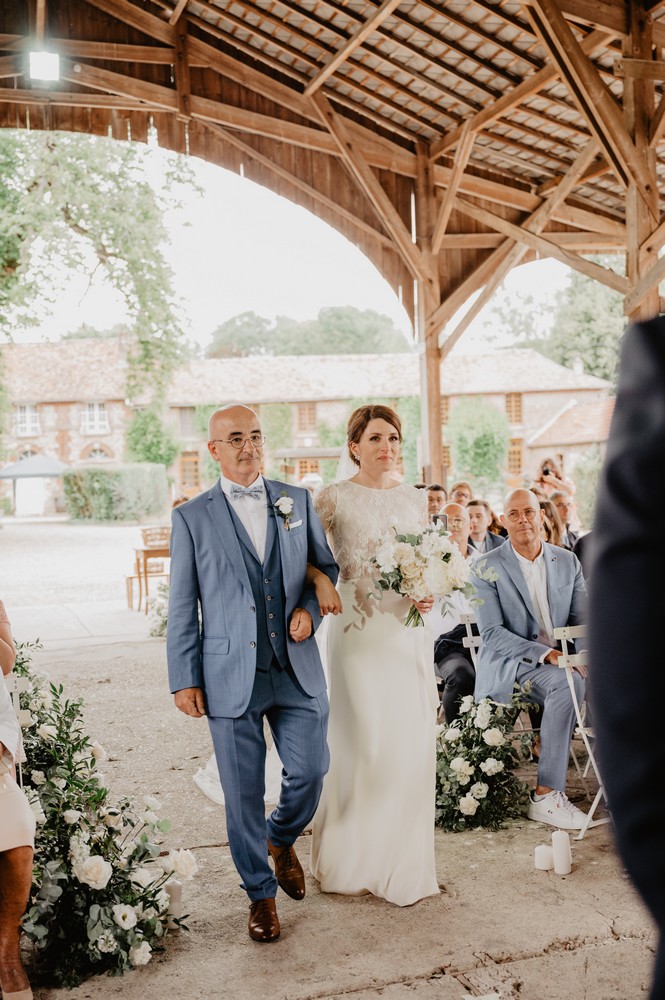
(638, 103)
(428, 293)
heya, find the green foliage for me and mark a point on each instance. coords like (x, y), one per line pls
(585, 475)
(478, 434)
(331, 435)
(277, 425)
(476, 757)
(336, 330)
(408, 409)
(589, 324)
(82, 203)
(98, 901)
(148, 440)
(115, 492)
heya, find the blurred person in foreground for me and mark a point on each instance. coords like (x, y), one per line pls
(627, 599)
(17, 839)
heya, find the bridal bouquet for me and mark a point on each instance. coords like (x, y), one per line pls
(420, 565)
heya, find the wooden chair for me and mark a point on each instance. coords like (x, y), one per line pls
(157, 536)
(568, 661)
(17, 686)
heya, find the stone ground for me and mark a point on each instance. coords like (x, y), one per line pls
(499, 929)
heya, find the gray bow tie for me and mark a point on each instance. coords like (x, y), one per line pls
(251, 491)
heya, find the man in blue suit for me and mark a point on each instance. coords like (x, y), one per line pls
(241, 647)
(528, 589)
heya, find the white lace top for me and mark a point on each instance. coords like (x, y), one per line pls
(355, 517)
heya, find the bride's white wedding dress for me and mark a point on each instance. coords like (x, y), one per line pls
(374, 828)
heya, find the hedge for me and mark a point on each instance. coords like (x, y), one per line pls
(115, 492)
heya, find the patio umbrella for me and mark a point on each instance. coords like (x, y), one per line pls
(35, 465)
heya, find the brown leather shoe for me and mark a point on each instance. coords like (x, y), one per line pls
(288, 870)
(263, 920)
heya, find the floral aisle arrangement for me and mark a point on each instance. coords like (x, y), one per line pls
(101, 887)
(158, 607)
(419, 565)
(476, 757)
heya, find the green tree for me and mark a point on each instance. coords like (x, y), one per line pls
(148, 440)
(478, 434)
(82, 203)
(589, 324)
(336, 330)
(409, 413)
(277, 425)
(585, 475)
(331, 435)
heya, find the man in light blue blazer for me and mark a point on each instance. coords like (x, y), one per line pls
(241, 647)
(529, 588)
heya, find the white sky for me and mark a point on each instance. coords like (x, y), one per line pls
(241, 248)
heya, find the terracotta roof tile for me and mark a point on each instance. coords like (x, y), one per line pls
(576, 424)
(92, 370)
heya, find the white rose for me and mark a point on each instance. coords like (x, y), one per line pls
(385, 557)
(151, 802)
(71, 816)
(144, 877)
(493, 737)
(106, 943)
(466, 704)
(124, 916)
(38, 777)
(183, 864)
(59, 783)
(461, 767)
(139, 954)
(479, 790)
(483, 715)
(435, 576)
(491, 766)
(46, 732)
(468, 805)
(463, 779)
(94, 871)
(451, 734)
(97, 750)
(284, 505)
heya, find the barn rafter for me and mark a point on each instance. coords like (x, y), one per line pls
(450, 140)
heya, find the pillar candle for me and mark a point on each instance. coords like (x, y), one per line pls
(174, 889)
(562, 853)
(544, 857)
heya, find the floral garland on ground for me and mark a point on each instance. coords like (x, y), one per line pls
(100, 896)
(476, 756)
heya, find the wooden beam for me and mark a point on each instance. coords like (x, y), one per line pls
(604, 14)
(11, 66)
(593, 97)
(178, 12)
(513, 98)
(109, 51)
(462, 155)
(640, 69)
(655, 240)
(152, 94)
(40, 22)
(128, 13)
(68, 99)
(182, 82)
(658, 122)
(648, 283)
(355, 40)
(369, 184)
(544, 246)
(582, 242)
(306, 189)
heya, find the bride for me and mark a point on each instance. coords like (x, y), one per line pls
(374, 828)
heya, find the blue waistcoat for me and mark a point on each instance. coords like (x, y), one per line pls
(268, 591)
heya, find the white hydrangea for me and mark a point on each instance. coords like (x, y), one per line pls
(78, 849)
(106, 943)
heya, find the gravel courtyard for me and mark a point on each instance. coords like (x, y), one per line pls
(499, 928)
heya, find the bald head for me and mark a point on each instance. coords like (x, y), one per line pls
(459, 525)
(522, 518)
(236, 442)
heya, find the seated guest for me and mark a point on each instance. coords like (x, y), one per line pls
(452, 662)
(17, 834)
(481, 517)
(461, 492)
(551, 529)
(436, 497)
(536, 588)
(563, 505)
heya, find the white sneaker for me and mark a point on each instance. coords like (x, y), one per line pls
(556, 809)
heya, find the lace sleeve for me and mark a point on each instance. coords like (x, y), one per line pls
(325, 504)
(423, 508)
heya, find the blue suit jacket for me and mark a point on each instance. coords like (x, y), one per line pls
(217, 652)
(507, 619)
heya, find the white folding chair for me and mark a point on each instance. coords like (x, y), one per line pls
(17, 686)
(568, 661)
(470, 641)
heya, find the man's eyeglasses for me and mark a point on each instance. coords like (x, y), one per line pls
(515, 515)
(455, 522)
(237, 441)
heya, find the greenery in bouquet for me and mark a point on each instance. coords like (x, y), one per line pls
(158, 607)
(100, 896)
(419, 565)
(476, 758)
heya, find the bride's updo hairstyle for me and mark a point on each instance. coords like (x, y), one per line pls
(360, 418)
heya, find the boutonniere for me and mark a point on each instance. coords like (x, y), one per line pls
(284, 507)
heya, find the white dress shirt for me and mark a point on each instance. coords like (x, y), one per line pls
(535, 576)
(253, 513)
